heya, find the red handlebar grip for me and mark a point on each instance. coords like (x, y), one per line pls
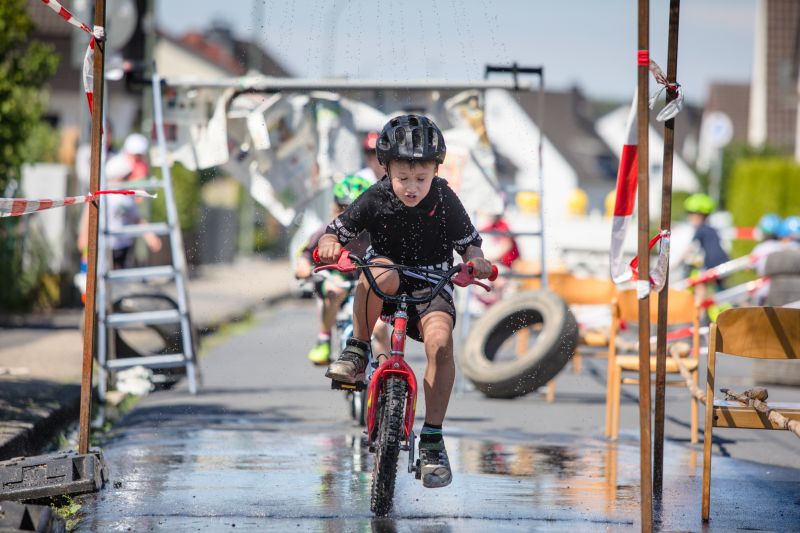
(493, 276)
(315, 256)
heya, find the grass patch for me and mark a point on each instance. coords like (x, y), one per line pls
(111, 414)
(68, 509)
(214, 338)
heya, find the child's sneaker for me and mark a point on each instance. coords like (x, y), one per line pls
(350, 366)
(434, 464)
(321, 353)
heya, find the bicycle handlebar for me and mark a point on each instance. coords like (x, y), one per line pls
(461, 275)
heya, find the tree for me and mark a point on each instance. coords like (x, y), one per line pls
(25, 66)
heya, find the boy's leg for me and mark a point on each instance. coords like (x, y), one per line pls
(366, 299)
(332, 297)
(380, 338)
(437, 334)
(351, 365)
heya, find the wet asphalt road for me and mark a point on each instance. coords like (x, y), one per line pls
(267, 446)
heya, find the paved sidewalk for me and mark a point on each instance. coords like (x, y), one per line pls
(40, 357)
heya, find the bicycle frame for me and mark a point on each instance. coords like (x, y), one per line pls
(395, 365)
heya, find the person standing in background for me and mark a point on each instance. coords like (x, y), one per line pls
(135, 147)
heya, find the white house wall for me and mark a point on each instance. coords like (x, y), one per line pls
(516, 137)
(174, 61)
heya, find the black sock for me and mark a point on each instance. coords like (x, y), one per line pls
(430, 433)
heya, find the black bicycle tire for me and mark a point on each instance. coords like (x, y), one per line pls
(541, 363)
(387, 449)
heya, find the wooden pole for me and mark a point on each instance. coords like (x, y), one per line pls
(666, 216)
(643, 287)
(98, 72)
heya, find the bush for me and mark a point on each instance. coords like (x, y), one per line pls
(186, 185)
(760, 185)
(32, 287)
(25, 66)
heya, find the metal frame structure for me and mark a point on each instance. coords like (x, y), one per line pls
(176, 271)
(262, 84)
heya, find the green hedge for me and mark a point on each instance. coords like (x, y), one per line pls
(760, 185)
(186, 185)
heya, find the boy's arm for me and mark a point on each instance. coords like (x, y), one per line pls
(353, 220)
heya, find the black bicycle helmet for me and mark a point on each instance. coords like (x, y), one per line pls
(411, 137)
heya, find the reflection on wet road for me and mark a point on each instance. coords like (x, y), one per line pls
(240, 473)
(269, 451)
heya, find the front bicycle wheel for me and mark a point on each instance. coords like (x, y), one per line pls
(387, 447)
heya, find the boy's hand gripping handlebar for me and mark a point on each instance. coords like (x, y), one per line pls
(344, 264)
(465, 277)
(463, 273)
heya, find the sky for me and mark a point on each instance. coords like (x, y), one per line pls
(588, 43)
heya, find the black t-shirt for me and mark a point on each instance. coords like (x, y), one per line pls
(423, 235)
(709, 241)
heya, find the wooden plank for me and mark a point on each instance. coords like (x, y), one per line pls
(732, 414)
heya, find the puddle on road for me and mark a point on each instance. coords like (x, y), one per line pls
(211, 479)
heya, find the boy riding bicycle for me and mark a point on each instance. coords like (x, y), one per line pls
(413, 219)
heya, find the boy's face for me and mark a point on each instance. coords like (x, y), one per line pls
(696, 219)
(412, 182)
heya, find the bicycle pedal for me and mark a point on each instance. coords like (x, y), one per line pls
(341, 385)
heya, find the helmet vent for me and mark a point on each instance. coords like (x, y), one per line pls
(433, 139)
(416, 139)
(400, 135)
(413, 120)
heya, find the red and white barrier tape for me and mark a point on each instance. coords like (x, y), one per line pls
(627, 183)
(737, 294)
(98, 33)
(13, 207)
(746, 262)
(676, 105)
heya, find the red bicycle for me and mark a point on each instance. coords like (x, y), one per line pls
(392, 386)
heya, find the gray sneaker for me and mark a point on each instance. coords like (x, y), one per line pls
(434, 464)
(350, 366)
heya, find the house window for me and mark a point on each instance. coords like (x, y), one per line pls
(606, 165)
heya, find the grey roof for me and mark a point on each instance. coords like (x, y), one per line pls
(568, 124)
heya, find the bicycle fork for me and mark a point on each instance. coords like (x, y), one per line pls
(394, 366)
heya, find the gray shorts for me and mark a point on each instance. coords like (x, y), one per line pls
(417, 288)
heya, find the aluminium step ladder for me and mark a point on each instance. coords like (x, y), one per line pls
(110, 320)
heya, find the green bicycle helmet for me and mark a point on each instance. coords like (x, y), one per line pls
(349, 188)
(700, 203)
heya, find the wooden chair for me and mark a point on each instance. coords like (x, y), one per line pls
(756, 332)
(625, 307)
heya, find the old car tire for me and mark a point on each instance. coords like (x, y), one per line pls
(554, 345)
